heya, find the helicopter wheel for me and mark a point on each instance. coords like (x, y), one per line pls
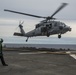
(59, 36)
(48, 35)
(27, 39)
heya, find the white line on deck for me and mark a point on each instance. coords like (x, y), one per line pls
(32, 53)
(28, 53)
(73, 55)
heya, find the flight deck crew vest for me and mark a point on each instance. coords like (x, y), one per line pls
(0, 48)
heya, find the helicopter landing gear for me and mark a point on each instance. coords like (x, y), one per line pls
(59, 36)
(27, 39)
(48, 34)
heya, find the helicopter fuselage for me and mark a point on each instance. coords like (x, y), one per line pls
(45, 29)
(48, 28)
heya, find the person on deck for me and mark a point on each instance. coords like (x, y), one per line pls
(1, 54)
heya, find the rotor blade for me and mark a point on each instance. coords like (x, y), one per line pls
(22, 22)
(24, 13)
(60, 8)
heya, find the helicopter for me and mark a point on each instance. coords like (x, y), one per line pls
(48, 26)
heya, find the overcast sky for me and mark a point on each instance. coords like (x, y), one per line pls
(37, 7)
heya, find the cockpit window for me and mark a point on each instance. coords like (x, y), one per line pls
(63, 24)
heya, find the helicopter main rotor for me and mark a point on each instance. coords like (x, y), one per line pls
(46, 18)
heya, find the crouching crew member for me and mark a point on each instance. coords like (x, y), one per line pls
(1, 54)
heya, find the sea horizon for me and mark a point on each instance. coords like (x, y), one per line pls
(41, 42)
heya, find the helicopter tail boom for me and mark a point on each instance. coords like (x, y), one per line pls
(17, 34)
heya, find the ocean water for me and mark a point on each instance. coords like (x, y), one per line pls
(41, 42)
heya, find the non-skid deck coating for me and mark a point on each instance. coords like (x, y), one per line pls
(37, 64)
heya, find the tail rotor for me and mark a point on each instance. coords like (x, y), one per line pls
(20, 25)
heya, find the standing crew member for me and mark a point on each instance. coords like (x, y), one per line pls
(1, 54)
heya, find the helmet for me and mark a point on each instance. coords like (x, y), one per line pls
(1, 40)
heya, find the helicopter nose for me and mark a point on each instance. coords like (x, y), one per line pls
(68, 28)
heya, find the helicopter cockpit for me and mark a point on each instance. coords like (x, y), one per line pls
(62, 24)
